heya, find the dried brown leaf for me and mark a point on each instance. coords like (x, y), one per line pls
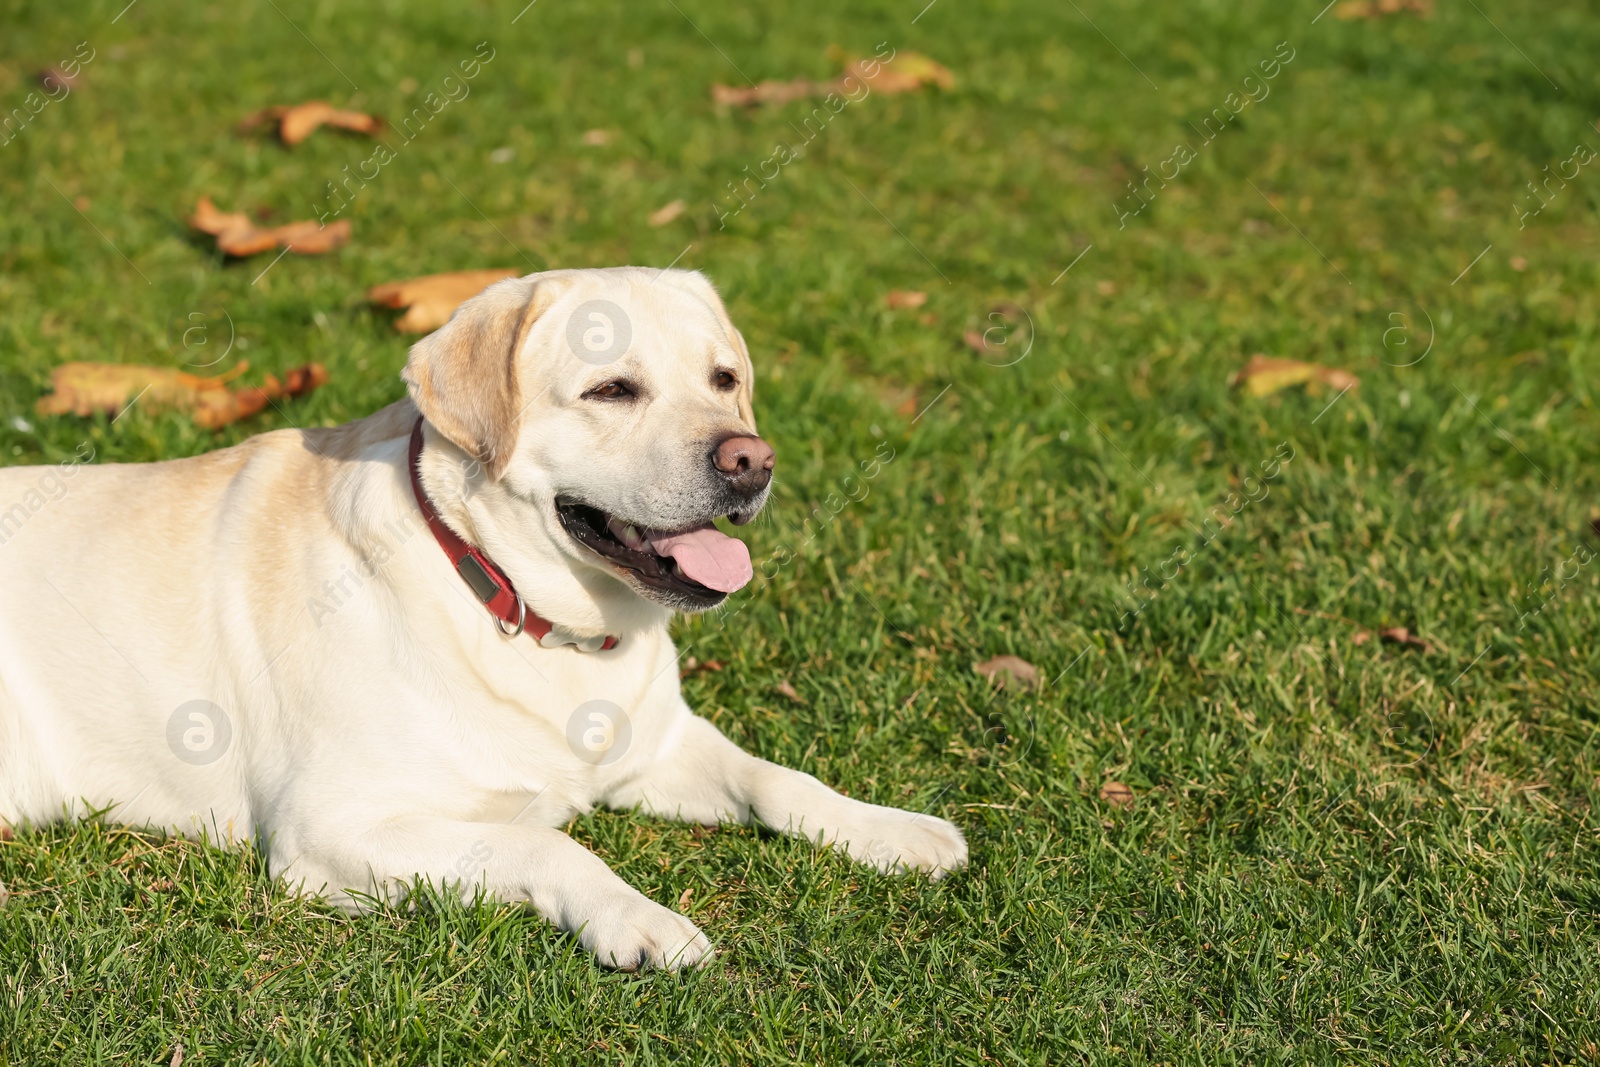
(239, 237)
(54, 78)
(1373, 9)
(83, 389)
(217, 409)
(666, 213)
(596, 138)
(1117, 795)
(787, 689)
(431, 299)
(905, 299)
(906, 72)
(1264, 375)
(299, 121)
(768, 92)
(1004, 670)
(977, 338)
(1400, 635)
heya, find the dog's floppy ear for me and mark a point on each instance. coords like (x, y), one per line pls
(463, 377)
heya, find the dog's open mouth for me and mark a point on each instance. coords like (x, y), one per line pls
(701, 564)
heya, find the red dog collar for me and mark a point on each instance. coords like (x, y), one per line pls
(487, 581)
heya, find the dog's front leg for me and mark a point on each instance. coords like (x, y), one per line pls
(557, 877)
(703, 777)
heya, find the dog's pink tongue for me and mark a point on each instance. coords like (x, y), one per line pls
(708, 556)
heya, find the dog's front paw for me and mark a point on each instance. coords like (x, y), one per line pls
(896, 842)
(636, 934)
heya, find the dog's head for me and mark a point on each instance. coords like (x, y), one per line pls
(615, 408)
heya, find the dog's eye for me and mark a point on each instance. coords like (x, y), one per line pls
(724, 380)
(615, 390)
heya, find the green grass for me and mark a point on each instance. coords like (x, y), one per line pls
(1341, 852)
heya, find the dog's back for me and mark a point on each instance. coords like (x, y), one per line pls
(124, 616)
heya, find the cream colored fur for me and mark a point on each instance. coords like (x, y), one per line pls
(379, 728)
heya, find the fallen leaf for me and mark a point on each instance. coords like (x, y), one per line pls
(905, 298)
(907, 72)
(597, 137)
(162, 885)
(1519, 264)
(237, 236)
(1372, 9)
(1361, 637)
(177, 1056)
(666, 213)
(768, 92)
(83, 389)
(300, 121)
(1399, 635)
(979, 340)
(431, 300)
(218, 409)
(1264, 375)
(1117, 795)
(694, 666)
(53, 78)
(683, 898)
(786, 688)
(1002, 670)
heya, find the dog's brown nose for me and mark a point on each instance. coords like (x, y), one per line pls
(745, 461)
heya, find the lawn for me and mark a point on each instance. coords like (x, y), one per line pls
(1332, 848)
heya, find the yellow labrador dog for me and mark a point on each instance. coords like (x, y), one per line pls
(415, 645)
